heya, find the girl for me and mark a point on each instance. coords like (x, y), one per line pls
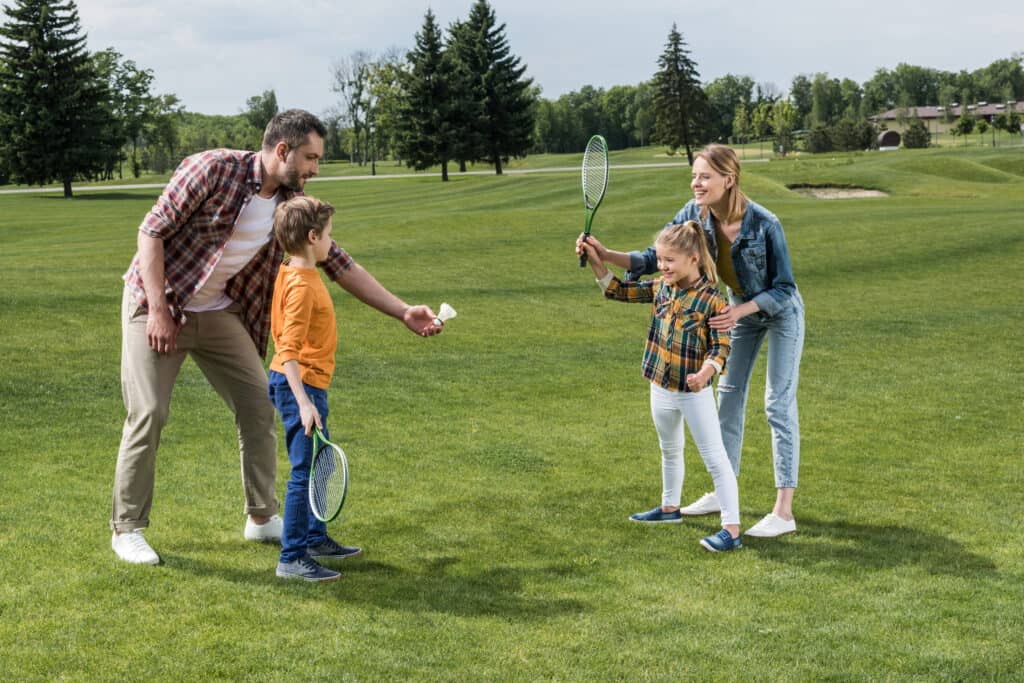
(682, 355)
(752, 257)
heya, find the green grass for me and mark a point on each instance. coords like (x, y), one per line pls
(494, 466)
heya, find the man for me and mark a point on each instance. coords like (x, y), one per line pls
(200, 285)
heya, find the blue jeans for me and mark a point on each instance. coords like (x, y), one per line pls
(301, 528)
(785, 335)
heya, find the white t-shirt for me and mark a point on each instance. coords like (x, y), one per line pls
(253, 229)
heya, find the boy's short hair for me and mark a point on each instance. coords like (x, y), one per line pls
(294, 218)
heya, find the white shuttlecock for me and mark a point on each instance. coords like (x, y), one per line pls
(446, 313)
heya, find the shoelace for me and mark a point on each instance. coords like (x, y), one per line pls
(137, 541)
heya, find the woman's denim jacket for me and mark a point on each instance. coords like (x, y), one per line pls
(759, 256)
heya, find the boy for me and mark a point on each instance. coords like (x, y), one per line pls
(304, 330)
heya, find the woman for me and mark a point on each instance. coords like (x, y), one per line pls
(749, 247)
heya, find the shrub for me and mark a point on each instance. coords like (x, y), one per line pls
(916, 135)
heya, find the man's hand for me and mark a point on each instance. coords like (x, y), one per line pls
(161, 331)
(420, 319)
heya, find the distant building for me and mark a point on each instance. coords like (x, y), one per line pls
(941, 119)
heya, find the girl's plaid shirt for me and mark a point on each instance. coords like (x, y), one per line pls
(195, 217)
(680, 340)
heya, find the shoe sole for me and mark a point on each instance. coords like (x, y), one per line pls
(684, 513)
(336, 557)
(760, 535)
(656, 521)
(310, 579)
(710, 548)
(151, 563)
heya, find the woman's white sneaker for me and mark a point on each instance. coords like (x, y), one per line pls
(705, 505)
(132, 547)
(772, 525)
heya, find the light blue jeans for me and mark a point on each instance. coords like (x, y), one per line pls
(785, 335)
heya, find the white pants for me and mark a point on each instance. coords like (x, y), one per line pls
(672, 410)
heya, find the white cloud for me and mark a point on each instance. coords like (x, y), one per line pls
(215, 54)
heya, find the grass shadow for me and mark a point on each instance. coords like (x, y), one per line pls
(435, 586)
(845, 546)
(431, 586)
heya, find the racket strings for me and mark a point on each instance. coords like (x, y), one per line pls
(328, 482)
(595, 171)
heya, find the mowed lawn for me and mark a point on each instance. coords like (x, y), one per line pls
(494, 467)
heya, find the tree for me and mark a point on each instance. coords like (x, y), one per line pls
(965, 124)
(426, 121)
(136, 110)
(725, 94)
(916, 135)
(741, 124)
(55, 122)
(826, 100)
(505, 127)
(1008, 121)
(386, 93)
(679, 101)
(802, 97)
(643, 119)
(350, 76)
(259, 109)
(784, 121)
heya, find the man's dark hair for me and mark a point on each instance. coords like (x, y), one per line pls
(293, 128)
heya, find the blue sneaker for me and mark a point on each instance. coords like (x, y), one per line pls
(721, 542)
(307, 569)
(657, 516)
(332, 550)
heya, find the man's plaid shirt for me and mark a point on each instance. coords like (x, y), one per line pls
(679, 340)
(195, 217)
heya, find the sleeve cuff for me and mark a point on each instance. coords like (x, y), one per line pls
(715, 364)
(603, 282)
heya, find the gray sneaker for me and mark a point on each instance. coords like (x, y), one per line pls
(332, 550)
(307, 569)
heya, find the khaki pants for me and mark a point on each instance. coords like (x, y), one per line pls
(223, 350)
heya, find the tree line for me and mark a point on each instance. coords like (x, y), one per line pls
(459, 96)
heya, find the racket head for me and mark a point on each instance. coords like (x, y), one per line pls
(595, 172)
(328, 478)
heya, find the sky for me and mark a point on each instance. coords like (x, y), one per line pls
(215, 54)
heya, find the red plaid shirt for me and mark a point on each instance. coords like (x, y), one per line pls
(195, 217)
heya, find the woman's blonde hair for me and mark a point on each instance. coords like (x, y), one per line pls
(689, 238)
(723, 160)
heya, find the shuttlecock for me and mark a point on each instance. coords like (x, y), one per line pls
(446, 313)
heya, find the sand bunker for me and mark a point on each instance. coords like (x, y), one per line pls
(828, 192)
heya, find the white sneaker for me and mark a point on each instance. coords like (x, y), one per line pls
(270, 530)
(772, 525)
(130, 546)
(705, 505)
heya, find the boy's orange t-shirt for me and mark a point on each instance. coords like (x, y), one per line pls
(303, 325)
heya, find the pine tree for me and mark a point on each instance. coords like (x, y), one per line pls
(679, 100)
(505, 127)
(55, 118)
(427, 132)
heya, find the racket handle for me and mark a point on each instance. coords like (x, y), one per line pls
(583, 252)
